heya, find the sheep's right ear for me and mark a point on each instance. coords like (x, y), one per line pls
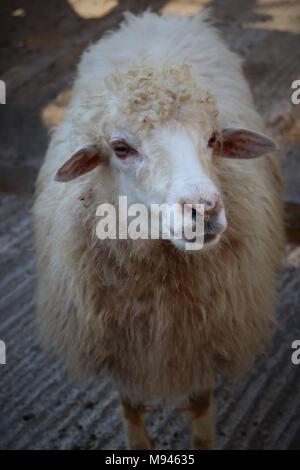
(81, 162)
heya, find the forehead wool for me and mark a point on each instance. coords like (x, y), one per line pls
(148, 97)
(142, 99)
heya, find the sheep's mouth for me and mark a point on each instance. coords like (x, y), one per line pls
(207, 238)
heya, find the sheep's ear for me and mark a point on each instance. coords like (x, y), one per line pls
(243, 144)
(81, 162)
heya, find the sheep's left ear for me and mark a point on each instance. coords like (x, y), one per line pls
(243, 144)
(81, 162)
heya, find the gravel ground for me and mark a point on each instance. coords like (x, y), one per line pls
(40, 408)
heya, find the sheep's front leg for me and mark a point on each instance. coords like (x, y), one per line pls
(202, 416)
(135, 428)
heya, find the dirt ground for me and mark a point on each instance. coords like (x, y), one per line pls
(40, 44)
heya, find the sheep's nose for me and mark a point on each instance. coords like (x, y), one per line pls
(212, 206)
(208, 217)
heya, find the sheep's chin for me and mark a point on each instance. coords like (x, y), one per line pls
(212, 243)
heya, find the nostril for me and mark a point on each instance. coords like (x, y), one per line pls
(212, 208)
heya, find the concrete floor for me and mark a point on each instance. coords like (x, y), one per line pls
(39, 407)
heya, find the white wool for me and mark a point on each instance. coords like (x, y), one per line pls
(96, 299)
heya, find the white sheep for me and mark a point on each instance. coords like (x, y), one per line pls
(154, 107)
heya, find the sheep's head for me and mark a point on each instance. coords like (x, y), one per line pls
(159, 133)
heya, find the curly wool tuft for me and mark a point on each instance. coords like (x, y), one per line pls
(144, 98)
(151, 96)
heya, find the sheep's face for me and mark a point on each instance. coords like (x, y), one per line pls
(172, 169)
(160, 138)
(163, 122)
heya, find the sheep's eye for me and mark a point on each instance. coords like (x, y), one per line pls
(122, 149)
(212, 140)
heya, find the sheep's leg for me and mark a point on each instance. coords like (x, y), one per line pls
(202, 416)
(134, 423)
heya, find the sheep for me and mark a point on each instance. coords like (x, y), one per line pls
(160, 113)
